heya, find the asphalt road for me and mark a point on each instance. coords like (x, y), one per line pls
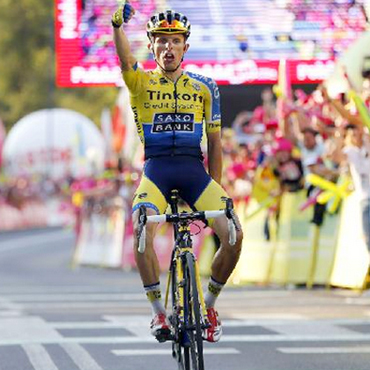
(55, 317)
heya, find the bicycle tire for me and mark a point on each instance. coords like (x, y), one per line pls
(193, 355)
(177, 352)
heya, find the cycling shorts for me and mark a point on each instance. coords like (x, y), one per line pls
(184, 173)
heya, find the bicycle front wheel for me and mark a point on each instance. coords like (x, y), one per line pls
(192, 317)
(177, 349)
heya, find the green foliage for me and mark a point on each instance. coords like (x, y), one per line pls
(27, 66)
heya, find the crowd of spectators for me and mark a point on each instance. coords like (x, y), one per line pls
(16, 191)
(272, 150)
(28, 201)
(297, 29)
(300, 29)
(96, 29)
(72, 197)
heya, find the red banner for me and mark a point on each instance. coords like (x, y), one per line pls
(225, 73)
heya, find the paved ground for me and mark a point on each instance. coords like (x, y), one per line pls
(53, 317)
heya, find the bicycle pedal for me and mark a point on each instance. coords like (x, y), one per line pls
(163, 335)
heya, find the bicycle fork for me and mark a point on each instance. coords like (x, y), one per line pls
(180, 290)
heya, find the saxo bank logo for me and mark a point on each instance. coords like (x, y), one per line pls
(167, 122)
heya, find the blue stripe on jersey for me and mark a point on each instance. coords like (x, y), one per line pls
(213, 89)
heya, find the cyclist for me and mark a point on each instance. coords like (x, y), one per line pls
(171, 107)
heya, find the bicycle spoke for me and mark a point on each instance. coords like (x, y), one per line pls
(177, 350)
(193, 315)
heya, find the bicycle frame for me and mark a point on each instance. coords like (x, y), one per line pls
(182, 237)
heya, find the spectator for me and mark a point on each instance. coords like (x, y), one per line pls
(287, 169)
(357, 152)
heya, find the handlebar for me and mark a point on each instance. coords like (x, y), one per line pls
(198, 215)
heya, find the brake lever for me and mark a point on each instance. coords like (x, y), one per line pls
(141, 232)
(231, 220)
(230, 213)
(142, 220)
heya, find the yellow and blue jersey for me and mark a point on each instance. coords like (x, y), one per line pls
(171, 116)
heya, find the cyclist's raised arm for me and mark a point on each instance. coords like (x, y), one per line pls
(123, 15)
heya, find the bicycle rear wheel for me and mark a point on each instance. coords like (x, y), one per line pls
(193, 353)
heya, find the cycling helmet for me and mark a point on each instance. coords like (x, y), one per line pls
(168, 22)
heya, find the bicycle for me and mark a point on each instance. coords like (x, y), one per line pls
(188, 313)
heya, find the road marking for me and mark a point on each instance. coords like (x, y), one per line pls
(308, 328)
(9, 309)
(39, 357)
(225, 339)
(23, 329)
(10, 314)
(165, 352)
(358, 301)
(327, 350)
(80, 357)
(296, 338)
(70, 294)
(50, 289)
(92, 325)
(94, 296)
(136, 325)
(134, 322)
(116, 305)
(76, 297)
(267, 316)
(238, 294)
(263, 321)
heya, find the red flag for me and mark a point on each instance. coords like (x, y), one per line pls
(119, 129)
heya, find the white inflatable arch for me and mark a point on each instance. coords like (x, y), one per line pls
(55, 143)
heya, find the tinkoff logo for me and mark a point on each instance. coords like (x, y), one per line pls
(163, 96)
(167, 122)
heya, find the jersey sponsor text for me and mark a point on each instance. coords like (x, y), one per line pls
(166, 122)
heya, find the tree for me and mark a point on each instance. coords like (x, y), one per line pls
(27, 66)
